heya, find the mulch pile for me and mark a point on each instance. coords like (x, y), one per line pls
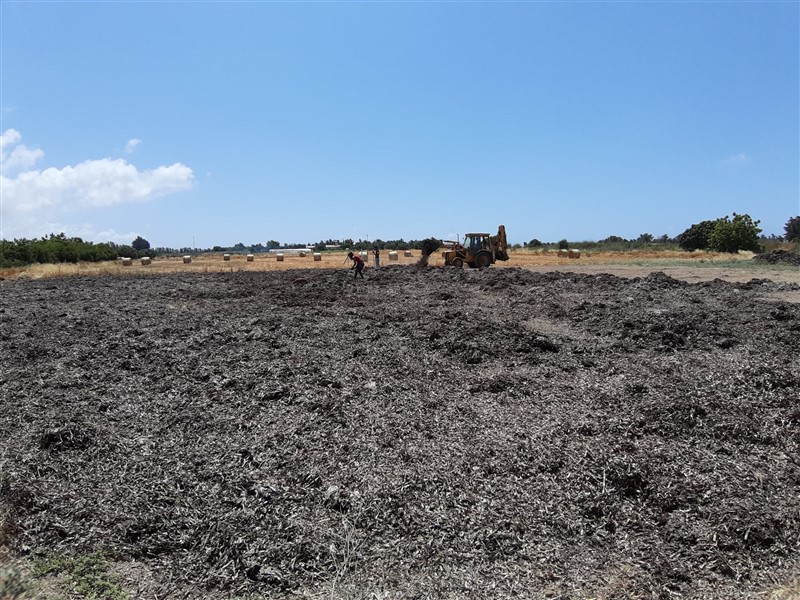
(779, 257)
(422, 433)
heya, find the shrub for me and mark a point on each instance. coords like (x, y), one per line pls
(792, 229)
(140, 243)
(613, 239)
(563, 245)
(697, 236)
(740, 233)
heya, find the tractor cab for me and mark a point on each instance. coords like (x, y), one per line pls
(477, 242)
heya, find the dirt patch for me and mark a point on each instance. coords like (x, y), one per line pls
(423, 433)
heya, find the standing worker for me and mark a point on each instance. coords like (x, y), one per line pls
(376, 252)
(358, 264)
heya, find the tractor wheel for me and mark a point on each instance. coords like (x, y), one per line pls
(457, 262)
(483, 259)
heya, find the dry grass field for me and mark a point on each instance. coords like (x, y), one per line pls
(700, 266)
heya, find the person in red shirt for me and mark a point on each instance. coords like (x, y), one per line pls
(358, 264)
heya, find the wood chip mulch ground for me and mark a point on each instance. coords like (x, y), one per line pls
(424, 433)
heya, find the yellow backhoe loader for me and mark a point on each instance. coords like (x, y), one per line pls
(479, 250)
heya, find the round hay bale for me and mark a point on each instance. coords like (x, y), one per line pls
(563, 253)
(146, 261)
(279, 256)
(407, 253)
(226, 257)
(317, 256)
(393, 255)
(574, 253)
(302, 255)
(127, 261)
(187, 259)
(250, 258)
(364, 255)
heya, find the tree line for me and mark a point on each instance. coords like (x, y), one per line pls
(733, 234)
(54, 249)
(721, 235)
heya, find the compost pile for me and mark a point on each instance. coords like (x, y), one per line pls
(435, 433)
(779, 257)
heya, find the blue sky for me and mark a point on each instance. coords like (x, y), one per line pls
(213, 123)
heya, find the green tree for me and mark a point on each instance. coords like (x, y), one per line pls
(400, 244)
(54, 248)
(534, 243)
(97, 252)
(126, 251)
(732, 235)
(140, 244)
(613, 239)
(792, 229)
(563, 245)
(697, 236)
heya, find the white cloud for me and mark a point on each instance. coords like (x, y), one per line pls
(10, 136)
(131, 145)
(109, 235)
(736, 159)
(90, 184)
(21, 157)
(30, 227)
(31, 199)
